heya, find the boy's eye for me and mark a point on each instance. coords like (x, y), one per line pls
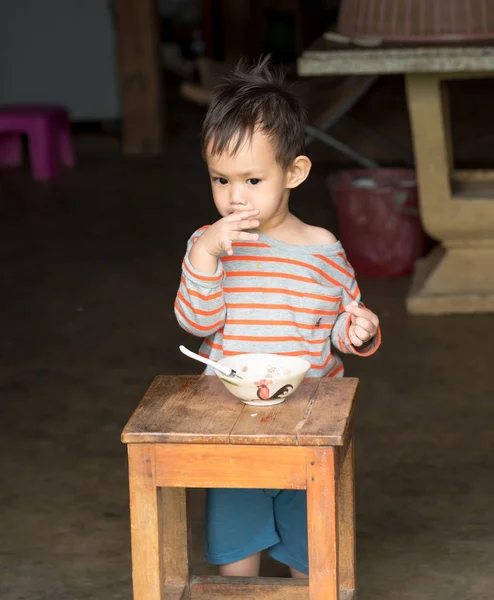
(220, 180)
(253, 181)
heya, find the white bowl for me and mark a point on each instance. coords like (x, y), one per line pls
(266, 379)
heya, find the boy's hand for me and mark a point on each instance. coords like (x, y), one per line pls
(219, 237)
(363, 326)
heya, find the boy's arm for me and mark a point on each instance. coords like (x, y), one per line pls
(341, 332)
(199, 306)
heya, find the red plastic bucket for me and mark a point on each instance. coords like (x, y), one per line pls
(379, 220)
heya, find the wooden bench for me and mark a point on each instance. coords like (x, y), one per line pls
(189, 432)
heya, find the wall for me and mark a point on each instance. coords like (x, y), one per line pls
(60, 51)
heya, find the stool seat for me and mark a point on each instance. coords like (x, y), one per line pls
(47, 128)
(190, 432)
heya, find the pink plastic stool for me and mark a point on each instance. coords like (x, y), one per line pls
(48, 131)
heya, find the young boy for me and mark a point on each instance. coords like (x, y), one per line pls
(261, 280)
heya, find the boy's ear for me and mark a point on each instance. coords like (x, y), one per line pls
(298, 171)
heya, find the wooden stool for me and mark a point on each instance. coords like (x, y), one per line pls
(189, 432)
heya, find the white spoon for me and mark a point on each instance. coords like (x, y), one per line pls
(225, 370)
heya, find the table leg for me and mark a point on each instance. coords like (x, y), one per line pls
(147, 560)
(141, 80)
(346, 519)
(322, 524)
(174, 529)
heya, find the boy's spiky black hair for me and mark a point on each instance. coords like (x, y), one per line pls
(253, 97)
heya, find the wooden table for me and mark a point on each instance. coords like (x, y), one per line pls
(189, 432)
(456, 206)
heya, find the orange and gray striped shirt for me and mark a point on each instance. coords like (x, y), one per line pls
(273, 297)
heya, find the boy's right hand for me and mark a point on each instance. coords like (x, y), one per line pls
(218, 237)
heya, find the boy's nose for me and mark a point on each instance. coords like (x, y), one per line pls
(236, 198)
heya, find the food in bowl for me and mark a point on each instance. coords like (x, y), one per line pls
(264, 379)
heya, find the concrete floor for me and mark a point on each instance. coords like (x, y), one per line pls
(90, 266)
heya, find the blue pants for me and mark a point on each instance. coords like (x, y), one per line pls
(242, 522)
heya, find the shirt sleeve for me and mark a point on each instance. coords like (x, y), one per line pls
(200, 305)
(350, 293)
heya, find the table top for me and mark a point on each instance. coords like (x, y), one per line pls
(195, 409)
(329, 58)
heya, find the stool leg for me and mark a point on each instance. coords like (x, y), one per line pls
(10, 149)
(322, 524)
(346, 520)
(66, 145)
(43, 150)
(147, 563)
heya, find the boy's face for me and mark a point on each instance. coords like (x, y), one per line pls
(251, 179)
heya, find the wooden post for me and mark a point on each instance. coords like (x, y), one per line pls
(141, 79)
(236, 19)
